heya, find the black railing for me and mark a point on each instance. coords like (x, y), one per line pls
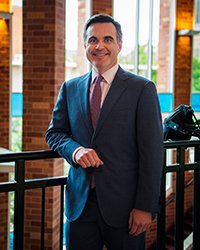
(180, 167)
(19, 185)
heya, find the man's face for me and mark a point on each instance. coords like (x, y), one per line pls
(102, 47)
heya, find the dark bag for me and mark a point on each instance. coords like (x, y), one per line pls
(182, 124)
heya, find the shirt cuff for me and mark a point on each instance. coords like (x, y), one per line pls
(74, 153)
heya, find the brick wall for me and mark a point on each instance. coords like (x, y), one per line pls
(4, 116)
(4, 83)
(103, 6)
(183, 56)
(43, 49)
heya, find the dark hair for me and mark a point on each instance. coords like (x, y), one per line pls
(103, 18)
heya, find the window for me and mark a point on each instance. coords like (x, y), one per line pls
(140, 43)
(17, 77)
(195, 98)
(77, 11)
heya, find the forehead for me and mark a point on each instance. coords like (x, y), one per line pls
(101, 30)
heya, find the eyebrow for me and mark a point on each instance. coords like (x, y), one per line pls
(110, 37)
(92, 37)
(105, 37)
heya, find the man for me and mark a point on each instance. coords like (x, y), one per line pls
(116, 154)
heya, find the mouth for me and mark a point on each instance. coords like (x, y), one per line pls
(99, 54)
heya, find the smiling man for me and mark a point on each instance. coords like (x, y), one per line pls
(107, 125)
(102, 46)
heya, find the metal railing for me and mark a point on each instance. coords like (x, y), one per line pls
(180, 167)
(20, 184)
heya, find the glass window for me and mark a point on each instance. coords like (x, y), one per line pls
(17, 77)
(124, 13)
(148, 43)
(77, 12)
(195, 98)
(140, 41)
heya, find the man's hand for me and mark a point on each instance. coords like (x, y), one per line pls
(87, 157)
(139, 221)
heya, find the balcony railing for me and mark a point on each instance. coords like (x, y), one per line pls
(179, 167)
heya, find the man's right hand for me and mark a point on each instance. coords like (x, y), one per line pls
(87, 157)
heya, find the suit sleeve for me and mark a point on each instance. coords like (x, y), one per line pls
(150, 148)
(58, 135)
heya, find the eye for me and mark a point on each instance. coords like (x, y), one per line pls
(92, 40)
(108, 39)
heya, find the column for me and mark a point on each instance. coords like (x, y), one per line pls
(43, 72)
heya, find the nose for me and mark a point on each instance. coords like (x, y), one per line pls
(99, 45)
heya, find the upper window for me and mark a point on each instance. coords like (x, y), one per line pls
(196, 51)
(77, 12)
(140, 44)
(148, 43)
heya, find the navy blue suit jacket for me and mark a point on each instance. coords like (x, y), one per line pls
(128, 138)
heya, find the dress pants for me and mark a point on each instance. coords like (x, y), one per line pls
(90, 231)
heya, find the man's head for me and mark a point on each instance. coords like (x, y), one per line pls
(102, 41)
(102, 18)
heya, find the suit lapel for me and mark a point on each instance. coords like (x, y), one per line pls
(83, 87)
(116, 90)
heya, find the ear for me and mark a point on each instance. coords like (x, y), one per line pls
(120, 45)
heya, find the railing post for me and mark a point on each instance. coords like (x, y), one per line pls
(179, 236)
(160, 243)
(19, 206)
(61, 215)
(196, 207)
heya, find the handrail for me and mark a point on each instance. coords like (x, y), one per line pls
(29, 155)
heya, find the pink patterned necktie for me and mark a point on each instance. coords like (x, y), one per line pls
(95, 100)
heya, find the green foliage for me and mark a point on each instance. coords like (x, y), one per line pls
(16, 134)
(142, 55)
(11, 211)
(195, 74)
(154, 75)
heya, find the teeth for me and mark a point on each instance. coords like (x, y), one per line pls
(99, 54)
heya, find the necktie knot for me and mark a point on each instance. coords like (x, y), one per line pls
(98, 79)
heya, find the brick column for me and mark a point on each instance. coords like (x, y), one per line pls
(183, 53)
(44, 51)
(4, 77)
(103, 6)
(4, 117)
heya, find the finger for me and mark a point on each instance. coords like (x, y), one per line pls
(95, 158)
(82, 157)
(134, 229)
(130, 221)
(90, 158)
(139, 229)
(84, 162)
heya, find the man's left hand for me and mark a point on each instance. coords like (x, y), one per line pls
(139, 221)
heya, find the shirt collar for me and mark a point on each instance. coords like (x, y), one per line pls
(107, 75)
